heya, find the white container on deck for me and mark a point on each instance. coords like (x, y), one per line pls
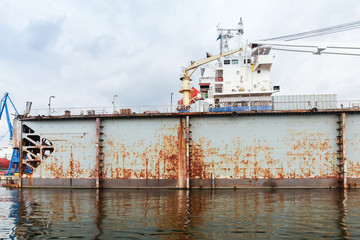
(304, 102)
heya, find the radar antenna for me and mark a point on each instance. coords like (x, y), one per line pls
(224, 34)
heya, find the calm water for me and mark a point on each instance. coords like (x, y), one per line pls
(179, 214)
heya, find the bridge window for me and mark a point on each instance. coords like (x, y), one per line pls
(218, 88)
(219, 75)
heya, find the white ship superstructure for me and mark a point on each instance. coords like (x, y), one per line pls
(240, 79)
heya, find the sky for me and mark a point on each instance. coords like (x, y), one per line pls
(84, 52)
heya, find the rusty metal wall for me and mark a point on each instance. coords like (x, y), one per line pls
(240, 150)
(252, 150)
(353, 147)
(72, 163)
(137, 153)
(147, 151)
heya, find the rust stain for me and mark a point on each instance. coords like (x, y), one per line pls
(303, 154)
(127, 173)
(311, 156)
(155, 159)
(197, 161)
(353, 162)
(181, 155)
(71, 163)
(55, 169)
(353, 169)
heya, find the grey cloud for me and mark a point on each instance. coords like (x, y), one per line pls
(43, 34)
(102, 44)
(98, 46)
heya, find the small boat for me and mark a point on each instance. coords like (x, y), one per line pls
(4, 163)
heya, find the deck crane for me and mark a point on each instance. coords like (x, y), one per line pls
(186, 90)
(14, 163)
(316, 48)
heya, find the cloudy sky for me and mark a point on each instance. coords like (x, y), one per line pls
(84, 52)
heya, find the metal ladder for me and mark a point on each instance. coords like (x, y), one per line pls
(99, 153)
(341, 152)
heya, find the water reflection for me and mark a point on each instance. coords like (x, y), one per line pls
(9, 214)
(342, 203)
(179, 214)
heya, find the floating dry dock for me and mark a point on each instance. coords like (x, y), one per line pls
(283, 149)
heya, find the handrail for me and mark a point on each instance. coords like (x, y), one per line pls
(201, 106)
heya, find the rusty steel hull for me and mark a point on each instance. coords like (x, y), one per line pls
(263, 147)
(283, 149)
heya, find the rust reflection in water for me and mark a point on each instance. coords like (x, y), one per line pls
(179, 214)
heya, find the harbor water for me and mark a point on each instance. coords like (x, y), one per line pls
(179, 214)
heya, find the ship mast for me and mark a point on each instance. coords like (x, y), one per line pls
(224, 34)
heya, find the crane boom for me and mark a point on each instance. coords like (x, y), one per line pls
(318, 47)
(309, 44)
(195, 65)
(186, 90)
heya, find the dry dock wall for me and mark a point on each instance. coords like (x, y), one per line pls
(218, 150)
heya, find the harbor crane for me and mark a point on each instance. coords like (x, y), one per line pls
(14, 162)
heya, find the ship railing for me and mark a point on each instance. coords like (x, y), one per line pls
(348, 104)
(277, 106)
(86, 111)
(316, 105)
(200, 107)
